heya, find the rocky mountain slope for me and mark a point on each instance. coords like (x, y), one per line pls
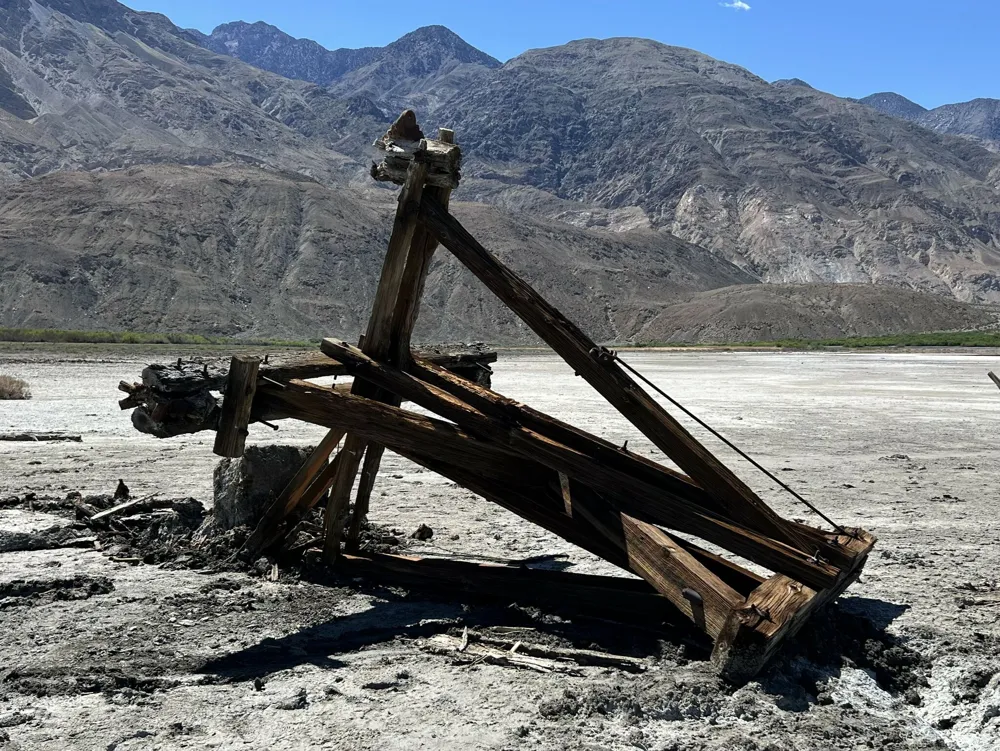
(774, 183)
(420, 69)
(788, 182)
(979, 118)
(793, 184)
(231, 249)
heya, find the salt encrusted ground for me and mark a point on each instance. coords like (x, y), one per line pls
(105, 655)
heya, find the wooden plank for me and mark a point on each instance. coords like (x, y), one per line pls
(401, 431)
(404, 317)
(583, 355)
(377, 338)
(676, 508)
(230, 440)
(369, 471)
(774, 612)
(612, 597)
(340, 494)
(503, 408)
(995, 378)
(698, 593)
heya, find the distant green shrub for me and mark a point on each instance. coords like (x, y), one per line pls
(14, 388)
(933, 339)
(132, 337)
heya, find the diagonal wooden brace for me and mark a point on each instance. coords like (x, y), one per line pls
(583, 355)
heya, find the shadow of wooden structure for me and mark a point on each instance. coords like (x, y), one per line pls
(625, 508)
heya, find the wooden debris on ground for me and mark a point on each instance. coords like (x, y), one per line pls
(646, 518)
(40, 437)
(473, 647)
(995, 378)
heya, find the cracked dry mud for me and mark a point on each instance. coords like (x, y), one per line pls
(101, 654)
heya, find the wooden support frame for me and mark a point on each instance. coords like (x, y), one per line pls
(622, 507)
(679, 507)
(584, 356)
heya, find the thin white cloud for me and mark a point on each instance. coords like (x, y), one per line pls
(736, 5)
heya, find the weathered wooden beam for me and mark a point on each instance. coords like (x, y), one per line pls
(369, 471)
(404, 431)
(503, 408)
(403, 319)
(774, 612)
(676, 574)
(611, 597)
(340, 494)
(677, 507)
(378, 337)
(241, 384)
(605, 375)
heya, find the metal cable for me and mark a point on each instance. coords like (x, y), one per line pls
(604, 352)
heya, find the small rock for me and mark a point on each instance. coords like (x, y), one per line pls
(381, 685)
(298, 701)
(423, 532)
(258, 684)
(912, 697)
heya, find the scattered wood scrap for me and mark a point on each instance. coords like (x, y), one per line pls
(995, 378)
(473, 649)
(135, 504)
(40, 437)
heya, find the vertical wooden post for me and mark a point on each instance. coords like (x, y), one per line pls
(404, 318)
(377, 339)
(230, 440)
(347, 469)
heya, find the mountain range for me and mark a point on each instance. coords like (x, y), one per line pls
(978, 118)
(160, 178)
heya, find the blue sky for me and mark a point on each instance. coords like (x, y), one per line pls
(932, 52)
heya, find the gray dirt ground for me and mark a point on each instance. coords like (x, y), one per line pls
(115, 656)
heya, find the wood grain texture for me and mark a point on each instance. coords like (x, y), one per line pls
(340, 494)
(230, 440)
(404, 317)
(377, 338)
(775, 611)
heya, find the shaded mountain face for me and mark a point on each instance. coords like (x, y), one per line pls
(232, 250)
(890, 103)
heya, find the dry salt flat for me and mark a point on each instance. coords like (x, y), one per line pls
(100, 654)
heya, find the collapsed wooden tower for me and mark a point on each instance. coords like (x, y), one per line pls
(605, 499)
